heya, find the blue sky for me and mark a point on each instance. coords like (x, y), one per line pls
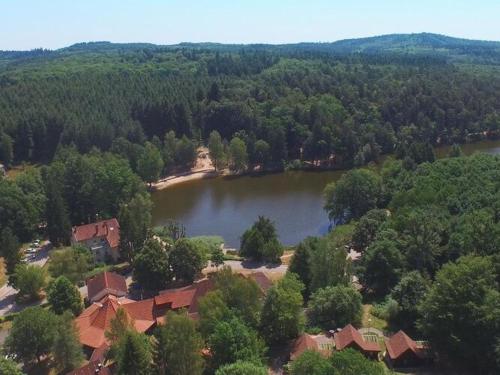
(27, 24)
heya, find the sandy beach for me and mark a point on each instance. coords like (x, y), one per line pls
(202, 169)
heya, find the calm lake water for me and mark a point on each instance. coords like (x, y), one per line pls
(228, 206)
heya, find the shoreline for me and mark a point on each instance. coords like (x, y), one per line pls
(206, 173)
(173, 180)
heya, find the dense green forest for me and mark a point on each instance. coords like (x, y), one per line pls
(430, 240)
(342, 103)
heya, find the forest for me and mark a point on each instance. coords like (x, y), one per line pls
(100, 119)
(332, 105)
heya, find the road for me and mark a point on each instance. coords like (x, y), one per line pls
(8, 294)
(252, 266)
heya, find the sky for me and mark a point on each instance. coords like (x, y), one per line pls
(28, 24)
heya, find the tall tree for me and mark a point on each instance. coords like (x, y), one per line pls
(233, 341)
(152, 268)
(29, 280)
(178, 346)
(356, 193)
(212, 309)
(9, 249)
(334, 307)
(461, 313)
(6, 149)
(64, 296)
(187, 260)
(242, 295)
(135, 221)
(150, 163)
(238, 155)
(282, 318)
(134, 354)
(216, 149)
(383, 266)
(58, 223)
(66, 349)
(32, 334)
(311, 362)
(261, 241)
(73, 263)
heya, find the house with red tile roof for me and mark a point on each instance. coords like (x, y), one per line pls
(403, 352)
(101, 238)
(95, 320)
(349, 337)
(106, 283)
(183, 298)
(307, 342)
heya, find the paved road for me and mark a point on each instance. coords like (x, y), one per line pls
(251, 266)
(8, 294)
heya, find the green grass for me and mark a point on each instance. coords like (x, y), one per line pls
(371, 321)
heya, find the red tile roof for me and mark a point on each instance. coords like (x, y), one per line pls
(301, 344)
(95, 320)
(91, 368)
(111, 282)
(400, 343)
(350, 335)
(109, 229)
(186, 297)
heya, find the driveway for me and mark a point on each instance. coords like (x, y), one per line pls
(8, 294)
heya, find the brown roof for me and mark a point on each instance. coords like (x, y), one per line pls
(301, 344)
(91, 368)
(350, 335)
(95, 320)
(186, 297)
(112, 282)
(262, 281)
(109, 229)
(400, 343)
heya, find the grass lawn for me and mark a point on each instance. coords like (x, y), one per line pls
(374, 322)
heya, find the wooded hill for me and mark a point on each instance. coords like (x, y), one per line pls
(354, 99)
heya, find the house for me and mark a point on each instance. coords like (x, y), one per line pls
(349, 337)
(183, 298)
(106, 283)
(403, 352)
(96, 319)
(307, 342)
(101, 238)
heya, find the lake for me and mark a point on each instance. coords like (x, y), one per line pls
(227, 206)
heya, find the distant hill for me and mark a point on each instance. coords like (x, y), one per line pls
(453, 49)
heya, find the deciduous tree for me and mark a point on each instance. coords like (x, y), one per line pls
(282, 317)
(64, 296)
(178, 346)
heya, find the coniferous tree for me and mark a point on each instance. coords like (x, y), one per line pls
(58, 223)
(66, 349)
(9, 249)
(134, 354)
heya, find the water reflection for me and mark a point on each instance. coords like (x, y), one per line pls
(228, 206)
